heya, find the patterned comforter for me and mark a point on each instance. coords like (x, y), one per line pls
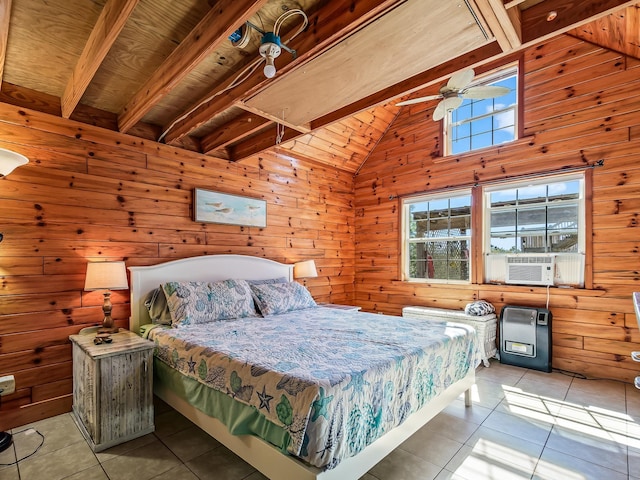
(335, 380)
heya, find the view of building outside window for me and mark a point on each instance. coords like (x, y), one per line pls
(439, 237)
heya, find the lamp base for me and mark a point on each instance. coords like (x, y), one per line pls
(5, 441)
(108, 330)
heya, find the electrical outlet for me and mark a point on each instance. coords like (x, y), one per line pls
(7, 385)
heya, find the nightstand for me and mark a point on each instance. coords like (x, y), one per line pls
(347, 308)
(112, 388)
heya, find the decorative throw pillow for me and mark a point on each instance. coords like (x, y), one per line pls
(479, 308)
(156, 304)
(274, 298)
(202, 302)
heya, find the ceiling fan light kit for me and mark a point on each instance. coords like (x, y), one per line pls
(455, 91)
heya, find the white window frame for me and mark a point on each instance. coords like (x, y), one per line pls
(487, 79)
(406, 240)
(570, 257)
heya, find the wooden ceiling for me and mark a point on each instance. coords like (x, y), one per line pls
(166, 69)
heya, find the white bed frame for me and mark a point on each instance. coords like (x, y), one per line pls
(263, 456)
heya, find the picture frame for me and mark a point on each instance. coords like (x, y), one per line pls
(227, 209)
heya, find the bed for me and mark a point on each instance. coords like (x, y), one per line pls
(180, 360)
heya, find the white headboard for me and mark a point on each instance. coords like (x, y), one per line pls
(209, 268)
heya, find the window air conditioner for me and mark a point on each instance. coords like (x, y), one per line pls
(530, 269)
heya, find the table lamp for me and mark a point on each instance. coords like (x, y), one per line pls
(306, 269)
(106, 276)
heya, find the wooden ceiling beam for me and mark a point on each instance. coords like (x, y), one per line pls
(504, 25)
(329, 25)
(242, 126)
(262, 141)
(537, 27)
(5, 17)
(222, 20)
(114, 15)
(513, 3)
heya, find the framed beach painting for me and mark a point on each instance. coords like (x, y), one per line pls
(215, 207)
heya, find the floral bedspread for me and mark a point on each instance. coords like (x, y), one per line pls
(335, 380)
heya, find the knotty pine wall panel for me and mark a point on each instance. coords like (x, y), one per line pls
(581, 105)
(92, 194)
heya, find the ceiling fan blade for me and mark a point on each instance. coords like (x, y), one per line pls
(446, 105)
(418, 100)
(482, 91)
(439, 112)
(459, 80)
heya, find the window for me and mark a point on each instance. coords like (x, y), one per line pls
(479, 123)
(541, 217)
(437, 230)
(528, 218)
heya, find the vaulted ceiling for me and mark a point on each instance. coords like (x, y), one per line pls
(168, 70)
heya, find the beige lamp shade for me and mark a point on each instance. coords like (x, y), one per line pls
(305, 269)
(9, 161)
(106, 276)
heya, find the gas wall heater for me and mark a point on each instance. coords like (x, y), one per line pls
(530, 269)
(525, 337)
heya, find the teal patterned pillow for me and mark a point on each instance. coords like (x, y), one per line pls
(274, 298)
(202, 302)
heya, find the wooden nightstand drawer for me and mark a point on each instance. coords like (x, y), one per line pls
(112, 388)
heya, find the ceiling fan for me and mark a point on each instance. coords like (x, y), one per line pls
(455, 91)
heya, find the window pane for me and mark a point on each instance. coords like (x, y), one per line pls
(482, 107)
(506, 100)
(481, 141)
(474, 117)
(532, 194)
(461, 131)
(563, 228)
(504, 119)
(461, 146)
(504, 135)
(418, 267)
(438, 228)
(503, 231)
(461, 202)
(532, 230)
(463, 111)
(564, 190)
(444, 224)
(483, 125)
(504, 197)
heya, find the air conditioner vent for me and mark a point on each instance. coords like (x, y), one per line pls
(527, 259)
(530, 270)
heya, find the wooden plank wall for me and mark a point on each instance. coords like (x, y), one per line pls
(90, 193)
(582, 104)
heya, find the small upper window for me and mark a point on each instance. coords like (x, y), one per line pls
(480, 123)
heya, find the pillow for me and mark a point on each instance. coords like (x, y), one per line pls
(268, 280)
(273, 298)
(203, 302)
(479, 308)
(156, 304)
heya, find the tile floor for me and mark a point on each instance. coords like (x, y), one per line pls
(523, 424)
